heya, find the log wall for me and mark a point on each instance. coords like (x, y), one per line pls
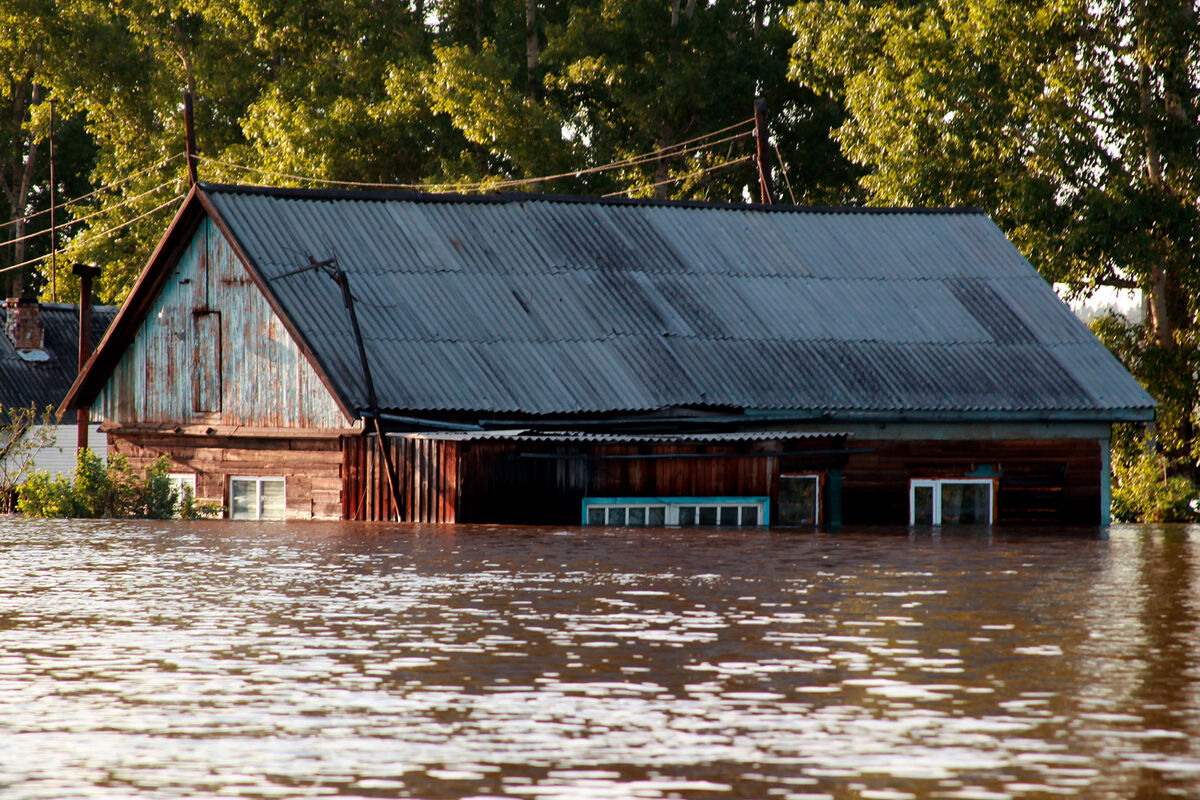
(311, 467)
(507, 482)
(1040, 481)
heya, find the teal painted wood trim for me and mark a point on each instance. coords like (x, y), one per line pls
(675, 501)
(833, 480)
(1105, 482)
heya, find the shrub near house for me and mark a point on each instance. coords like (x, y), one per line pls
(111, 490)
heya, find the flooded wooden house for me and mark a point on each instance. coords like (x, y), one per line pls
(536, 359)
(39, 360)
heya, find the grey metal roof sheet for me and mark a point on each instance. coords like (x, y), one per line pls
(45, 383)
(543, 305)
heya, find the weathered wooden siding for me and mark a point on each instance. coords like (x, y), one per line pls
(1056, 482)
(311, 467)
(59, 456)
(427, 474)
(212, 351)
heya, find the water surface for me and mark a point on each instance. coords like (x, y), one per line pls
(281, 660)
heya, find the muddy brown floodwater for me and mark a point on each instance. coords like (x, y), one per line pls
(155, 660)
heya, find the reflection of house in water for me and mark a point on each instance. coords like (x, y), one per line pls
(541, 359)
(39, 359)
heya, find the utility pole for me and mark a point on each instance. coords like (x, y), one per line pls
(189, 138)
(766, 188)
(53, 226)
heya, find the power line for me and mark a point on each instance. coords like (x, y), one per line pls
(783, 170)
(94, 192)
(101, 234)
(97, 213)
(697, 173)
(673, 150)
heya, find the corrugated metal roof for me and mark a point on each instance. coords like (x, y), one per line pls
(624, 438)
(45, 383)
(542, 305)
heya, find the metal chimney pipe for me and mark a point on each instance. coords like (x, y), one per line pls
(86, 273)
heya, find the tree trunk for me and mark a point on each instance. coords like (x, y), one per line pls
(531, 50)
(17, 187)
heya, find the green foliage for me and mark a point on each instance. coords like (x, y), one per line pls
(1075, 124)
(424, 93)
(23, 432)
(1145, 490)
(112, 490)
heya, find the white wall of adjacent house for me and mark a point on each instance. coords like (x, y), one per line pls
(58, 458)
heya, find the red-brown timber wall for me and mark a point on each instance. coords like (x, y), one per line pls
(426, 473)
(311, 467)
(1040, 481)
(501, 481)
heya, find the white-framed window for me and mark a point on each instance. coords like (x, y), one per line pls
(672, 512)
(181, 482)
(799, 499)
(951, 501)
(254, 497)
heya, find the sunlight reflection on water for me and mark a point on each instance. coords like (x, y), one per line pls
(286, 660)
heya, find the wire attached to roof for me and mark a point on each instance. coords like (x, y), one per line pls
(101, 234)
(103, 188)
(673, 150)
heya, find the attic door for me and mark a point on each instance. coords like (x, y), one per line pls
(206, 361)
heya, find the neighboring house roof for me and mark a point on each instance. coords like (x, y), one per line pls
(541, 305)
(45, 383)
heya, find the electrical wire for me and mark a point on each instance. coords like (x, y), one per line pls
(101, 234)
(673, 150)
(106, 187)
(697, 173)
(783, 170)
(96, 213)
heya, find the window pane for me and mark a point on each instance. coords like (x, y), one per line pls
(687, 516)
(750, 515)
(243, 500)
(637, 516)
(922, 500)
(616, 515)
(729, 515)
(966, 503)
(708, 515)
(595, 515)
(273, 500)
(798, 499)
(656, 516)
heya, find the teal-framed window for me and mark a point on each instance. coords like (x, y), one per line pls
(677, 512)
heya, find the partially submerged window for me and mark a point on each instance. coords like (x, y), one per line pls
(799, 499)
(256, 498)
(954, 501)
(682, 512)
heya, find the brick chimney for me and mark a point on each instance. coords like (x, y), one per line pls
(23, 324)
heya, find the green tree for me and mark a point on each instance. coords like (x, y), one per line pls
(23, 433)
(1074, 123)
(426, 92)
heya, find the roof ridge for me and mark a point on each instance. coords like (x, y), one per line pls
(377, 195)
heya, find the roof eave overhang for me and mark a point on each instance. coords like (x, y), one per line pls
(964, 416)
